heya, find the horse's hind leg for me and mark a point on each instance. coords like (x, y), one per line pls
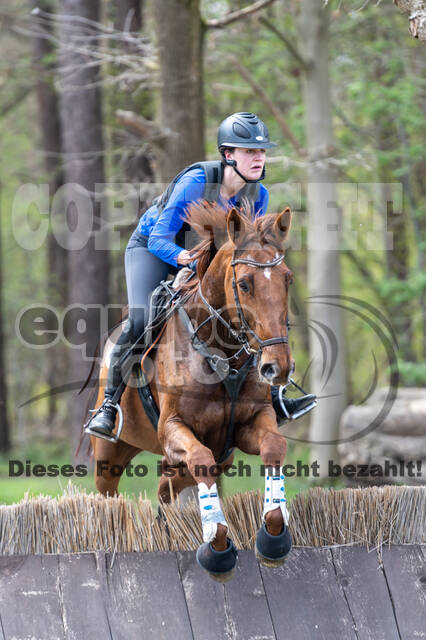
(110, 461)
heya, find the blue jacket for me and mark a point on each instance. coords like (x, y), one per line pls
(162, 229)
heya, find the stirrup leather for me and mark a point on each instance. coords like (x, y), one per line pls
(97, 434)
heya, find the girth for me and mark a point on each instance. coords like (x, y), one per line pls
(232, 379)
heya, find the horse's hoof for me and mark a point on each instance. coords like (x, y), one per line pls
(272, 551)
(219, 564)
(222, 577)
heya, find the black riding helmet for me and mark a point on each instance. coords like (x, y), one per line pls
(245, 131)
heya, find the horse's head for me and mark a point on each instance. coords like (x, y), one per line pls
(247, 258)
(257, 280)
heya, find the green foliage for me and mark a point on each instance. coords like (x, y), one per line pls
(413, 373)
(402, 291)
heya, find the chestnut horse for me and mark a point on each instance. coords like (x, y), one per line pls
(238, 306)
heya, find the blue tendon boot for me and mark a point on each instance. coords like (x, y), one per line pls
(272, 551)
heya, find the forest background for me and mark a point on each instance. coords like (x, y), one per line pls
(117, 97)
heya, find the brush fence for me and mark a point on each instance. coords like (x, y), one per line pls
(80, 522)
(83, 566)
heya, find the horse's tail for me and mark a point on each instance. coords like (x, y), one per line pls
(96, 367)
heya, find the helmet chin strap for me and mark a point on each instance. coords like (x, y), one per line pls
(233, 164)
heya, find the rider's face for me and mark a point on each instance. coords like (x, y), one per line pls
(250, 162)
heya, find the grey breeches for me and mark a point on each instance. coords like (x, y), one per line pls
(144, 271)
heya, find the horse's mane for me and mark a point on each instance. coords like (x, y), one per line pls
(209, 221)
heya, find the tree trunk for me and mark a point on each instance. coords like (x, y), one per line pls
(179, 35)
(4, 422)
(416, 10)
(81, 120)
(323, 239)
(179, 38)
(135, 163)
(134, 159)
(51, 143)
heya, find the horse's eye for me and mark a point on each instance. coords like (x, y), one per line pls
(244, 286)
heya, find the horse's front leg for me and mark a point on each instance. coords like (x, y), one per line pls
(180, 445)
(174, 479)
(262, 438)
(217, 554)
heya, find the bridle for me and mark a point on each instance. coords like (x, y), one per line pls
(244, 325)
(241, 335)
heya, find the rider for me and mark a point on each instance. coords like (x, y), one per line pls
(154, 248)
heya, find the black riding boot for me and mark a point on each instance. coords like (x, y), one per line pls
(103, 422)
(291, 409)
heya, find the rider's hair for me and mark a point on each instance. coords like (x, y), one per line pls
(223, 149)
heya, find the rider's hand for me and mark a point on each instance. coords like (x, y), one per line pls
(184, 257)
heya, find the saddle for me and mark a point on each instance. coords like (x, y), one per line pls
(161, 305)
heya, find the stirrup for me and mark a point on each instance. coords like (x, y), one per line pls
(294, 416)
(97, 434)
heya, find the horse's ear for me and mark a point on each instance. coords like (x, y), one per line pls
(235, 226)
(282, 224)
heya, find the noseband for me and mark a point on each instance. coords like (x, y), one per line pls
(245, 330)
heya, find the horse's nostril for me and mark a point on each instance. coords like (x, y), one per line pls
(269, 371)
